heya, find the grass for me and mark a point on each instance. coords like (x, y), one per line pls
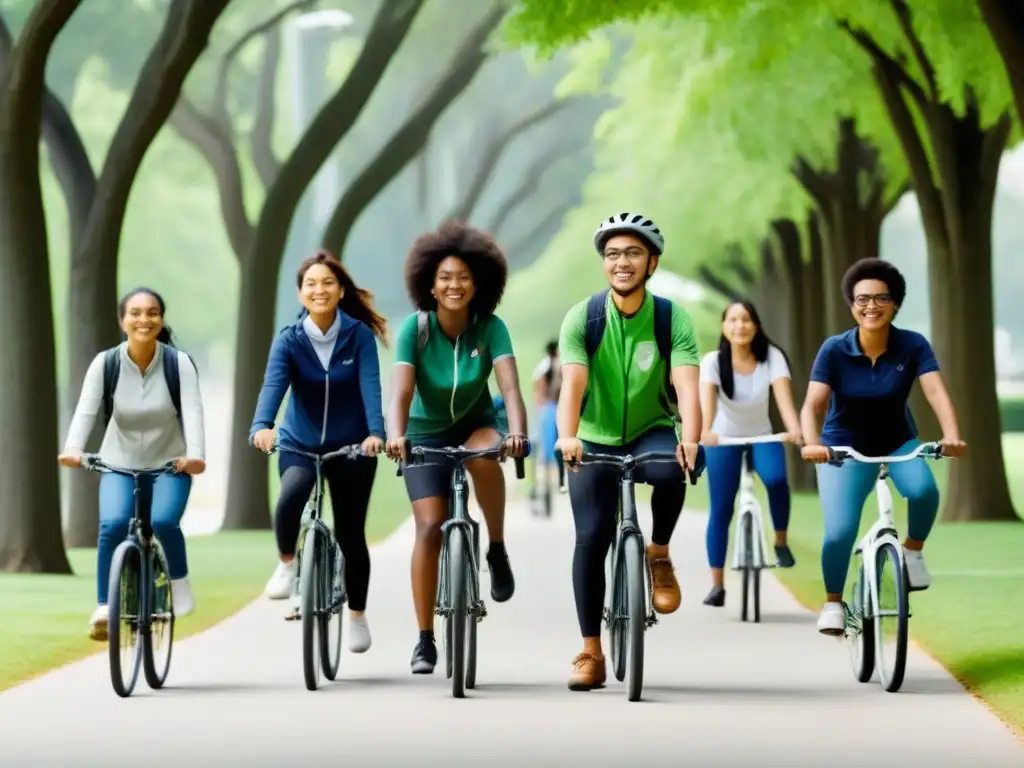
(968, 620)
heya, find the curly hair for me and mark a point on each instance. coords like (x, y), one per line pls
(875, 269)
(476, 248)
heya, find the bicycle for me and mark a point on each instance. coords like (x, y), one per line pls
(541, 501)
(458, 590)
(630, 610)
(880, 547)
(750, 545)
(321, 588)
(138, 594)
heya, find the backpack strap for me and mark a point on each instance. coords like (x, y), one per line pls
(422, 329)
(597, 319)
(663, 328)
(172, 375)
(111, 372)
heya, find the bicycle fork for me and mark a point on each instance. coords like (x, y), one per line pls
(629, 526)
(460, 524)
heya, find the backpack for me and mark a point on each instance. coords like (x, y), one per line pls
(597, 319)
(112, 371)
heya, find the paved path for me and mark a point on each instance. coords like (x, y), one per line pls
(717, 693)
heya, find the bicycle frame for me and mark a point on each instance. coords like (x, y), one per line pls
(750, 507)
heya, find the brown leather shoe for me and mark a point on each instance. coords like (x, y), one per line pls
(667, 596)
(588, 672)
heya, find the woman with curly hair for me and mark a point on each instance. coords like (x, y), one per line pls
(455, 278)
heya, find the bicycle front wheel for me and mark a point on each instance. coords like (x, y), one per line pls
(158, 637)
(124, 597)
(749, 605)
(860, 630)
(891, 619)
(637, 611)
(310, 583)
(332, 588)
(618, 618)
(473, 598)
(456, 622)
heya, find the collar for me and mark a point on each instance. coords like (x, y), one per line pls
(313, 331)
(851, 343)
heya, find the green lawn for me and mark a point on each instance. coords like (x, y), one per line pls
(968, 620)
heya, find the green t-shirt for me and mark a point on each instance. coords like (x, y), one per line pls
(451, 376)
(626, 383)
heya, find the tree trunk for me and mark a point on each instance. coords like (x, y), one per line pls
(30, 520)
(1005, 20)
(248, 503)
(92, 306)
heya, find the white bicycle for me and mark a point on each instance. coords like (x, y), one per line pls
(750, 544)
(879, 603)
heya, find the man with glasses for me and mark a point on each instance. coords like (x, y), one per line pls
(618, 351)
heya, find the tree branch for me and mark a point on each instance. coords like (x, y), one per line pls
(893, 201)
(261, 137)
(903, 15)
(492, 155)
(882, 59)
(815, 183)
(410, 139)
(736, 263)
(527, 187)
(719, 284)
(536, 241)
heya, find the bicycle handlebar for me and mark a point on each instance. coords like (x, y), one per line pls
(840, 453)
(776, 438)
(347, 451)
(418, 454)
(629, 461)
(93, 463)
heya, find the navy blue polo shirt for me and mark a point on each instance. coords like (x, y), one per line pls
(868, 408)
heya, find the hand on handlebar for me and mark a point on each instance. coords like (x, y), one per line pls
(514, 446)
(794, 437)
(73, 460)
(372, 446)
(686, 453)
(264, 440)
(819, 454)
(187, 466)
(395, 449)
(953, 449)
(571, 449)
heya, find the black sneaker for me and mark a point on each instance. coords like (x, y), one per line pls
(503, 583)
(716, 597)
(424, 658)
(784, 557)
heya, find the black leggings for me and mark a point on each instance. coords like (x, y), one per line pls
(350, 482)
(594, 494)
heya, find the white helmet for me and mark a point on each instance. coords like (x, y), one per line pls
(631, 224)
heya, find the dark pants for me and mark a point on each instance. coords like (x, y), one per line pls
(594, 494)
(350, 482)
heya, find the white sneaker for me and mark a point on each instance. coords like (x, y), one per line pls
(182, 597)
(282, 583)
(98, 623)
(832, 619)
(917, 572)
(358, 634)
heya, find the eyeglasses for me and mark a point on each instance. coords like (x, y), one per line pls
(881, 299)
(630, 253)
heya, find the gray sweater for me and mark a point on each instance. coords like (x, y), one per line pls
(143, 431)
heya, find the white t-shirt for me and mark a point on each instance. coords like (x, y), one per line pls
(745, 414)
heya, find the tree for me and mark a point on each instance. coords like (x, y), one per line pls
(1005, 21)
(30, 530)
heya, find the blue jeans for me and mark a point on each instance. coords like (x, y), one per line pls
(725, 464)
(843, 491)
(166, 496)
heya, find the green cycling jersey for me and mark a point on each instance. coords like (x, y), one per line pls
(626, 381)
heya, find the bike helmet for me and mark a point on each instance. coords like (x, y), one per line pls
(630, 224)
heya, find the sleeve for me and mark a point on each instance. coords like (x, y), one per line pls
(191, 408)
(684, 341)
(499, 342)
(405, 344)
(823, 370)
(778, 368)
(369, 381)
(572, 345)
(709, 369)
(542, 369)
(276, 380)
(89, 404)
(924, 357)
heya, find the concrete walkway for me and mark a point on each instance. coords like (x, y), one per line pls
(717, 692)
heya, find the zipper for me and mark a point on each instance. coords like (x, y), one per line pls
(625, 380)
(455, 370)
(327, 400)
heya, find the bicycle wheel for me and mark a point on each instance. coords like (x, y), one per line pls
(332, 591)
(158, 637)
(309, 597)
(747, 539)
(860, 632)
(123, 596)
(891, 618)
(456, 629)
(618, 620)
(637, 610)
(473, 597)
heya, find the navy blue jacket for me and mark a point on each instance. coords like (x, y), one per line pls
(327, 409)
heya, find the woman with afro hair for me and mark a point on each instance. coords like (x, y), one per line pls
(455, 278)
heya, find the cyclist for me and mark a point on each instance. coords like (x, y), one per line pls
(146, 428)
(864, 377)
(455, 277)
(735, 383)
(547, 384)
(329, 361)
(626, 411)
